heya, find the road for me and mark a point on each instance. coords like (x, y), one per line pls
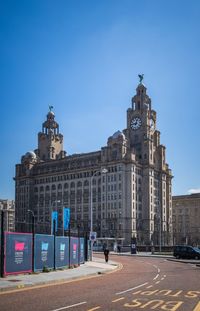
(140, 284)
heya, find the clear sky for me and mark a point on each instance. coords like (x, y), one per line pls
(83, 57)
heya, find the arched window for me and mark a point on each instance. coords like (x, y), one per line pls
(47, 188)
(79, 184)
(60, 187)
(53, 187)
(72, 185)
(86, 183)
(66, 185)
(41, 188)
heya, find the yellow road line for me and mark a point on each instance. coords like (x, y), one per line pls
(118, 299)
(197, 308)
(61, 282)
(22, 287)
(95, 308)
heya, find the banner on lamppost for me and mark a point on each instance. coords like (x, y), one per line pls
(54, 216)
(66, 217)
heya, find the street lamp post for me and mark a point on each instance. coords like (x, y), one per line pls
(160, 237)
(33, 237)
(2, 244)
(103, 171)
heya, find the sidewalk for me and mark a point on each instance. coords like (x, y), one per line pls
(167, 257)
(90, 268)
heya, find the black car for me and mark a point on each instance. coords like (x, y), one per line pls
(185, 251)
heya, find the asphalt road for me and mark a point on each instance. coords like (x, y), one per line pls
(140, 284)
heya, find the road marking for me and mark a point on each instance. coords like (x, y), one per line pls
(95, 308)
(118, 299)
(156, 277)
(197, 308)
(157, 282)
(128, 290)
(59, 282)
(149, 286)
(67, 307)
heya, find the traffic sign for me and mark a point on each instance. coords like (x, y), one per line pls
(93, 236)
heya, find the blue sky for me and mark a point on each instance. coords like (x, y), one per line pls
(83, 57)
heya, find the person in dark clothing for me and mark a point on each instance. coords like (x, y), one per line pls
(106, 253)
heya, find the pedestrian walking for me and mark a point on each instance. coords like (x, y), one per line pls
(106, 253)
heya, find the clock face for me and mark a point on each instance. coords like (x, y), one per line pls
(136, 123)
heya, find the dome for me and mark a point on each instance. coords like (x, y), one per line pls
(30, 155)
(51, 114)
(118, 134)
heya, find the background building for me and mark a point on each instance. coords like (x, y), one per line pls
(186, 219)
(8, 207)
(133, 199)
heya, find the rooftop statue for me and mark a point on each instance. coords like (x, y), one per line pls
(50, 108)
(141, 77)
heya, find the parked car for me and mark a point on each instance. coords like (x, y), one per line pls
(186, 251)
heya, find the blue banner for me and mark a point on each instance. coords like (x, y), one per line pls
(54, 216)
(66, 218)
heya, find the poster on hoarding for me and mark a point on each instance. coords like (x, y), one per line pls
(82, 250)
(73, 251)
(18, 253)
(44, 251)
(62, 252)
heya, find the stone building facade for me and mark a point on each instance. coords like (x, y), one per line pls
(133, 199)
(186, 219)
(8, 207)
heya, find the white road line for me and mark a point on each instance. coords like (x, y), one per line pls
(128, 290)
(156, 276)
(72, 306)
(118, 299)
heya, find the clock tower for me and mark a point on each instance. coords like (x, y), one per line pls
(141, 125)
(153, 210)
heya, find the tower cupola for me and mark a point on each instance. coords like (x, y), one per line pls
(50, 141)
(141, 101)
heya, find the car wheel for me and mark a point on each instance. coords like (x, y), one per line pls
(196, 257)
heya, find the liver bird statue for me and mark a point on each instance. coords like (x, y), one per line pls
(141, 77)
